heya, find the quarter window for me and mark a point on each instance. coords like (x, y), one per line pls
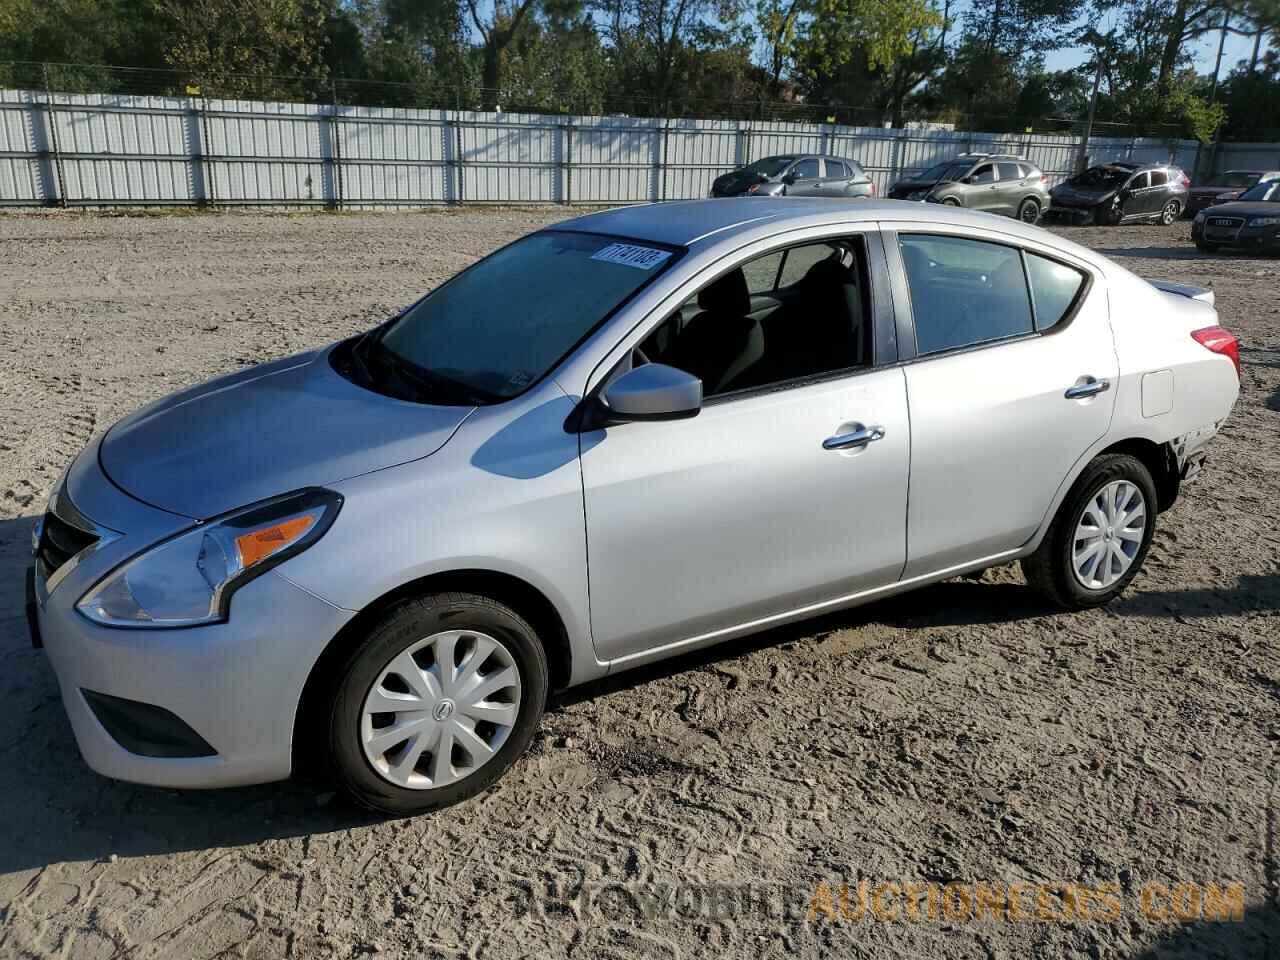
(964, 292)
(1054, 287)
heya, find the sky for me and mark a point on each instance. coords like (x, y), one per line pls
(1206, 52)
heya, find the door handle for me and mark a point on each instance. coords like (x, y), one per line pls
(1089, 388)
(858, 438)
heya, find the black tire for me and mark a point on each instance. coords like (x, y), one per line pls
(1029, 211)
(1049, 569)
(401, 627)
(950, 202)
(1110, 216)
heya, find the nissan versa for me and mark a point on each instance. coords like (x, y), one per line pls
(615, 440)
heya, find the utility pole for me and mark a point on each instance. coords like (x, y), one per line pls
(1222, 44)
(1083, 158)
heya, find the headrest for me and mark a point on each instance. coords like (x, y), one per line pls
(729, 294)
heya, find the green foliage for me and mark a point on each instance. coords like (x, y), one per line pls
(1201, 117)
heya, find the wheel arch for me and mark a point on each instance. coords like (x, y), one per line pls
(522, 596)
(1161, 463)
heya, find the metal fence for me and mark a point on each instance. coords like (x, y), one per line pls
(84, 150)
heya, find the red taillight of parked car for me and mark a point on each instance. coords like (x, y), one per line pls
(1219, 340)
(1186, 181)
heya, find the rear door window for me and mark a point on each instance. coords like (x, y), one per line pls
(836, 170)
(1159, 178)
(964, 292)
(1140, 182)
(1010, 171)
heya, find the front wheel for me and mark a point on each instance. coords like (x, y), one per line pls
(1099, 537)
(439, 700)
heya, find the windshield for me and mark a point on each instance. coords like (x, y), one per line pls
(945, 171)
(1234, 180)
(769, 166)
(1268, 192)
(498, 327)
(1102, 177)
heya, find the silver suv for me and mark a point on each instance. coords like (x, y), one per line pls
(994, 182)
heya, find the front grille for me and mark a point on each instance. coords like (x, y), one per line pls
(1226, 223)
(59, 542)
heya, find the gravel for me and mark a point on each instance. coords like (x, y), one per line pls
(964, 732)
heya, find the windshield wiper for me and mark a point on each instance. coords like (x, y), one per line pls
(420, 385)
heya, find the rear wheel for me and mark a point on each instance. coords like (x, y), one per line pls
(1171, 211)
(950, 202)
(439, 700)
(1029, 212)
(1099, 537)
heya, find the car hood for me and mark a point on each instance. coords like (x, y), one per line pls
(1215, 192)
(1248, 208)
(1066, 193)
(263, 431)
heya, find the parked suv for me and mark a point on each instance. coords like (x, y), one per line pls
(796, 175)
(994, 182)
(1226, 187)
(1114, 193)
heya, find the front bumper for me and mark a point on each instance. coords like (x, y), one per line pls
(1236, 235)
(1077, 216)
(237, 685)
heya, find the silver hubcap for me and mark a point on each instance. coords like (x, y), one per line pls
(1109, 535)
(441, 709)
(1170, 212)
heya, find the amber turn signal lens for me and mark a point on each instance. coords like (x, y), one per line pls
(261, 543)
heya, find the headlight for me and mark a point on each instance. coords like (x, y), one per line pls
(189, 579)
(1264, 221)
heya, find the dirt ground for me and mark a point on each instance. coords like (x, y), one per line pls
(962, 733)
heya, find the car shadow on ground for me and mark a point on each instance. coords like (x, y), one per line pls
(1256, 936)
(54, 809)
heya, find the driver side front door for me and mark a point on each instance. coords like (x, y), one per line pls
(752, 511)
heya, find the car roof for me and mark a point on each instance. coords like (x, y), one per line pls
(684, 223)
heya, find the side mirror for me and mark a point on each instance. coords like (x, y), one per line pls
(652, 392)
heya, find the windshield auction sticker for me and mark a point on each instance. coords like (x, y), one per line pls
(630, 255)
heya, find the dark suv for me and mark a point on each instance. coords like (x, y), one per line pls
(994, 182)
(796, 175)
(1123, 192)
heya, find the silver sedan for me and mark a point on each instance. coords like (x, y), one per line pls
(613, 441)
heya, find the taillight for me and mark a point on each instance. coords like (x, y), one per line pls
(1186, 181)
(873, 188)
(1219, 340)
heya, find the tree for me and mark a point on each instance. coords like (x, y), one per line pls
(246, 47)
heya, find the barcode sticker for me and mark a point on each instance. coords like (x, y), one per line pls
(630, 255)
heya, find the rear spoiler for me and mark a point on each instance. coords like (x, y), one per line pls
(1203, 294)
